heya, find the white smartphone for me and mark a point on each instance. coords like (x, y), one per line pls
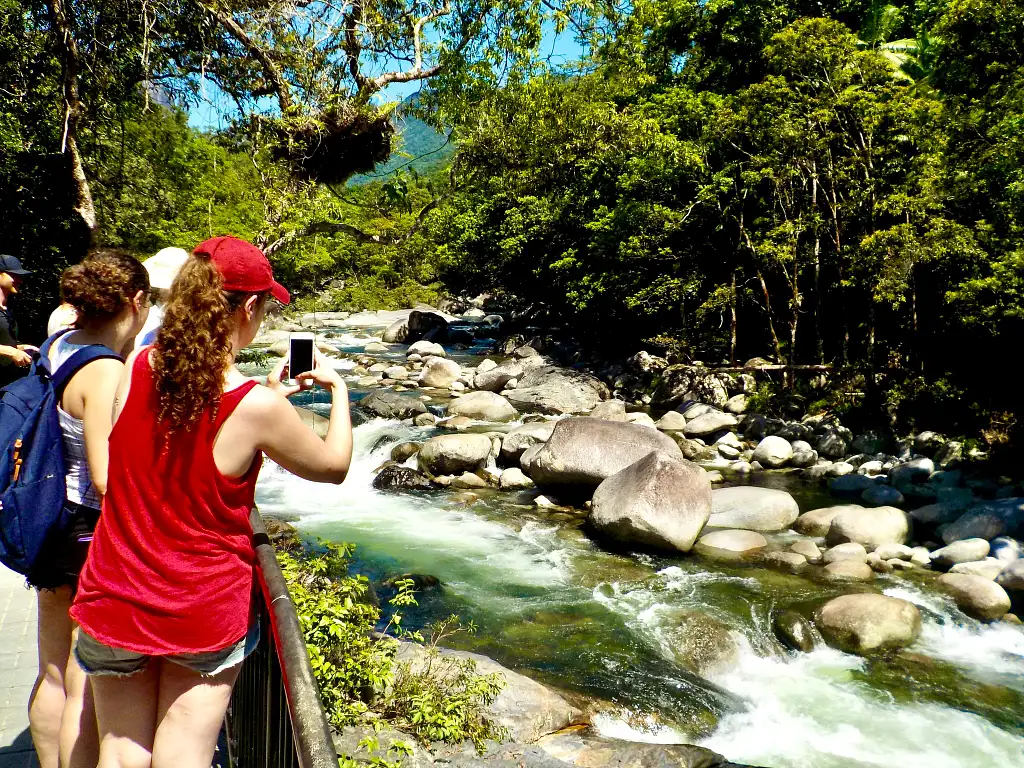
(300, 354)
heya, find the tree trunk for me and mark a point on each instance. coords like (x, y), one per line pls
(768, 308)
(68, 48)
(732, 329)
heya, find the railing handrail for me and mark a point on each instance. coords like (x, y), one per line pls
(312, 732)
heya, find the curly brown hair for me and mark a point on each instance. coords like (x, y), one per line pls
(192, 352)
(102, 284)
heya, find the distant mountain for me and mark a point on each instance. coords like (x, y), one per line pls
(426, 146)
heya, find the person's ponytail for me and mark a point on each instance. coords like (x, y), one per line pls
(193, 347)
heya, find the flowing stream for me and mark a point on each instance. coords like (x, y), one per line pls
(550, 602)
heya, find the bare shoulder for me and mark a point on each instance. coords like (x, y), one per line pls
(104, 369)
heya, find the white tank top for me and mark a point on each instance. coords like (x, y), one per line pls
(80, 489)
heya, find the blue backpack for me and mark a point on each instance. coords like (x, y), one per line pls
(32, 487)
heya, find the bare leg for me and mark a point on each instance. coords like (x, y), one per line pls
(46, 704)
(126, 716)
(79, 737)
(189, 715)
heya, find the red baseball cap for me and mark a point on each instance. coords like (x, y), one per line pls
(242, 266)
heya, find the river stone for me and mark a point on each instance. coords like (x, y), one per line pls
(641, 418)
(526, 708)
(426, 324)
(911, 472)
(803, 459)
(702, 643)
(517, 440)
(849, 551)
(963, 551)
(794, 631)
(673, 421)
(585, 451)
(576, 748)
(989, 568)
(848, 570)
(773, 452)
(839, 469)
(396, 333)
(870, 527)
(483, 406)
(973, 525)
(976, 596)
(513, 479)
(850, 484)
(788, 560)
(1007, 549)
(817, 521)
(709, 423)
(730, 545)
(610, 410)
(468, 481)
(375, 348)
(427, 349)
(379, 368)
(937, 514)
(832, 445)
(808, 549)
(454, 454)
(397, 477)
(396, 372)
(868, 623)
(679, 383)
(403, 451)
(890, 551)
(425, 420)
(752, 508)
(1012, 576)
(730, 452)
(881, 496)
(497, 378)
(737, 404)
(439, 372)
(554, 390)
(660, 501)
(527, 457)
(391, 405)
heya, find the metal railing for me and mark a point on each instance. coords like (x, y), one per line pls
(275, 719)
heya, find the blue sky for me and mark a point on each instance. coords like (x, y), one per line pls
(215, 111)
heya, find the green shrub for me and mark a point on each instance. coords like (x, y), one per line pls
(360, 682)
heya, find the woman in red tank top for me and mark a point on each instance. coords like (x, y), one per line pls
(164, 601)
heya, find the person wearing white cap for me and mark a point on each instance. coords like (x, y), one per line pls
(162, 268)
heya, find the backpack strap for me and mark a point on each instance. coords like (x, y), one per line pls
(76, 362)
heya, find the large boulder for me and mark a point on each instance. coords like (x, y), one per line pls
(526, 708)
(550, 389)
(485, 406)
(730, 545)
(454, 454)
(709, 423)
(439, 372)
(975, 595)
(794, 631)
(517, 440)
(752, 508)
(773, 452)
(911, 472)
(427, 349)
(850, 485)
(495, 379)
(1012, 576)
(818, 521)
(976, 524)
(610, 410)
(424, 324)
(868, 623)
(397, 332)
(659, 501)
(391, 405)
(679, 383)
(396, 477)
(870, 527)
(963, 551)
(578, 748)
(584, 451)
(700, 642)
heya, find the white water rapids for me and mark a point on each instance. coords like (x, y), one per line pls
(804, 711)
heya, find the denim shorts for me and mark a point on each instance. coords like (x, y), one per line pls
(64, 551)
(98, 658)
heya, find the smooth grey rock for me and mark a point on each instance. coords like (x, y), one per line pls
(851, 485)
(439, 372)
(848, 570)
(375, 348)
(937, 514)
(403, 451)
(870, 527)
(881, 496)
(519, 439)
(791, 561)
(391, 405)
(611, 410)
(673, 421)
(585, 451)
(976, 596)
(808, 549)
(660, 501)
(496, 378)
(484, 406)
(833, 445)
(575, 748)
(963, 551)
(868, 623)
(396, 333)
(737, 404)
(989, 568)
(454, 454)
(794, 631)
(709, 423)
(426, 349)
(973, 525)
(727, 451)
(773, 452)
(641, 418)
(890, 551)
(804, 458)
(840, 469)
(849, 551)
(1012, 576)
(527, 457)
(751, 508)
(678, 383)
(549, 389)
(513, 479)
(730, 545)
(911, 472)
(818, 521)
(397, 477)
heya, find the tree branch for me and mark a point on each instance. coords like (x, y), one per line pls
(72, 111)
(270, 69)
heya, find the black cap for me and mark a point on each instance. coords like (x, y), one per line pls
(12, 266)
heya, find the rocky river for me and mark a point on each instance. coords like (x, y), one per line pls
(741, 645)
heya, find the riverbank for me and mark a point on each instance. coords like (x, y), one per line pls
(628, 623)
